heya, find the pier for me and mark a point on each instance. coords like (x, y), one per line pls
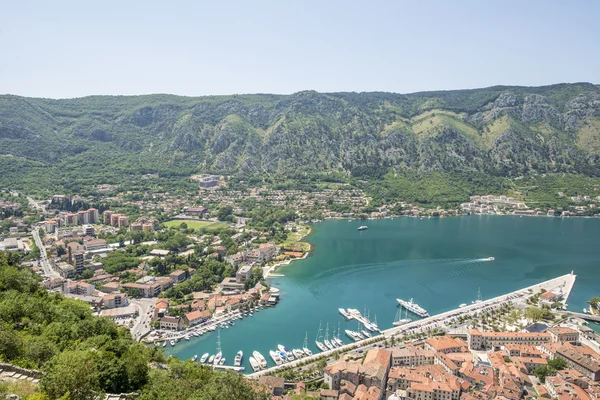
(229, 367)
(563, 283)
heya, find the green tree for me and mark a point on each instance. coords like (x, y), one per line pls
(557, 363)
(72, 373)
(534, 314)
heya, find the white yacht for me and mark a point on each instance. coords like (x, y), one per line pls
(237, 361)
(261, 360)
(195, 357)
(399, 320)
(366, 334)
(275, 357)
(305, 348)
(344, 313)
(362, 228)
(288, 354)
(298, 353)
(413, 307)
(254, 364)
(204, 357)
(222, 361)
(217, 359)
(211, 359)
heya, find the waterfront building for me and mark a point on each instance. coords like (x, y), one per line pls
(564, 334)
(171, 323)
(243, 274)
(494, 340)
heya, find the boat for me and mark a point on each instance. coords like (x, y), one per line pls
(326, 342)
(261, 360)
(366, 334)
(401, 321)
(362, 228)
(305, 348)
(219, 352)
(211, 359)
(488, 259)
(195, 357)
(172, 342)
(344, 313)
(353, 335)
(254, 364)
(222, 362)
(479, 300)
(462, 305)
(288, 354)
(164, 344)
(319, 344)
(413, 307)
(585, 311)
(204, 357)
(187, 338)
(298, 353)
(237, 361)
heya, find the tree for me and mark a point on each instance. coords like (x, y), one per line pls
(542, 372)
(534, 314)
(557, 364)
(224, 212)
(72, 373)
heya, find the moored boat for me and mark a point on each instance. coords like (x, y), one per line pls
(204, 357)
(195, 357)
(237, 361)
(254, 364)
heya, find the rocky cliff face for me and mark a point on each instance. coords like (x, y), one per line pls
(502, 131)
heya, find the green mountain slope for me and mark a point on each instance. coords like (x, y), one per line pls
(501, 131)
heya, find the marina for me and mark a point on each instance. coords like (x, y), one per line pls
(404, 258)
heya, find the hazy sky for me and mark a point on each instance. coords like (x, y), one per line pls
(76, 48)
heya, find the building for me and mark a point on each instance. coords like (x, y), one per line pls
(95, 244)
(79, 262)
(108, 217)
(412, 356)
(210, 181)
(150, 286)
(115, 300)
(159, 252)
(274, 385)
(231, 284)
(445, 344)
(83, 218)
(564, 334)
(171, 323)
(65, 270)
(196, 211)
(89, 230)
(178, 276)
(80, 288)
(494, 340)
(243, 274)
(114, 219)
(577, 359)
(194, 318)
(93, 217)
(123, 221)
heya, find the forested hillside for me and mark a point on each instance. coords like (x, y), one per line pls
(82, 356)
(499, 131)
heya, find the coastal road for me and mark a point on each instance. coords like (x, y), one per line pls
(142, 322)
(48, 271)
(565, 283)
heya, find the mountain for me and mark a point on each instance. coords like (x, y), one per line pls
(500, 131)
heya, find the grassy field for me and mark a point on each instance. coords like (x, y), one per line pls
(196, 224)
(294, 239)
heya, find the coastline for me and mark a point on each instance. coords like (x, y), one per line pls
(268, 271)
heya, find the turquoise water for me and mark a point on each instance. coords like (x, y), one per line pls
(438, 262)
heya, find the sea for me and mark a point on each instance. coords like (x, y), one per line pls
(438, 262)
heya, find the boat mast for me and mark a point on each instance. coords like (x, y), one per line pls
(306, 340)
(318, 332)
(338, 333)
(327, 332)
(479, 294)
(218, 341)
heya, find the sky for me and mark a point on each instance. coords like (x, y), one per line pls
(65, 49)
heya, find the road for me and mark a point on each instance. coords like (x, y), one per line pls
(48, 271)
(142, 323)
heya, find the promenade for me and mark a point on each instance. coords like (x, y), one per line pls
(563, 284)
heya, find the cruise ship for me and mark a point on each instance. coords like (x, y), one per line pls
(413, 308)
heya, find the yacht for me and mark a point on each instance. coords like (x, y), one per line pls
(298, 353)
(489, 259)
(204, 357)
(362, 228)
(463, 305)
(479, 300)
(217, 359)
(222, 362)
(164, 344)
(401, 321)
(283, 356)
(261, 360)
(172, 342)
(288, 354)
(319, 344)
(254, 364)
(305, 348)
(366, 334)
(344, 313)
(195, 357)
(237, 361)
(326, 341)
(187, 337)
(211, 359)
(413, 307)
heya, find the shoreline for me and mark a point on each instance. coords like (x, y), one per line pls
(268, 271)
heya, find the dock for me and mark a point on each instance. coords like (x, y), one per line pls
(229, 367)
(564, 283)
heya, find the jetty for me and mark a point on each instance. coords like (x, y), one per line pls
(229, 367)
(563, 284)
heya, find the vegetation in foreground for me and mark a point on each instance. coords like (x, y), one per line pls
(82, 356)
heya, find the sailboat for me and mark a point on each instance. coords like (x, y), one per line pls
(478, 296)
(399, 320)
(219, 354)
(320, 345)
(337, 339)
(305, 348)
(326, 341)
